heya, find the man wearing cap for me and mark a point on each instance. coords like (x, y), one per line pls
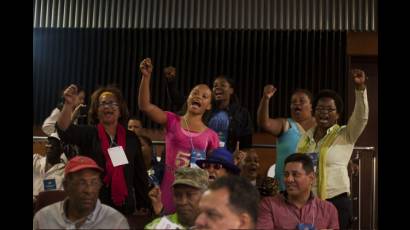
(219, 163)
(82, 208)
(48, 170)
(188, 187)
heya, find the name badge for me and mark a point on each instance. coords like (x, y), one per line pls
(117, 156)
(197, 155)
(164, 223)
(49, 184)
(315, 160)
(221, 144)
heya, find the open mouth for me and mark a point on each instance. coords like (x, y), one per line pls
(253, 169)
(323, 120)
(219, 94)
(211, 178)
(297, 111)
(108, 113)
(195, 104)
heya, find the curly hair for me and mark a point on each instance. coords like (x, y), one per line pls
(93, 111)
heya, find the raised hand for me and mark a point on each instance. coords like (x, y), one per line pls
(238, 155)
(170, 72)
(76, 112)
(155, 196)
(146, 67)
(70, 95)
(359, 78)
(268, 91)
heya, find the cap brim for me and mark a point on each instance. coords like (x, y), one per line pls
(81, 167)
(187, 182)
(230, 167)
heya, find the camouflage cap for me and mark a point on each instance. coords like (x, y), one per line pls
(195, 177)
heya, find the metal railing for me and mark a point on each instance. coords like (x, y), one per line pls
(269, 146)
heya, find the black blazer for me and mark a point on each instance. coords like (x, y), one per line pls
(86, 138)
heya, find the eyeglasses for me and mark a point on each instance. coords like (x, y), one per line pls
(110, 104)
(209, 165)
(82, 185)
(324, 110)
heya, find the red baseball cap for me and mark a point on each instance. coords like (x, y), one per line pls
(78, 163)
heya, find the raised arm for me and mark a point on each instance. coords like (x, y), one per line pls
(176, 97)
(70, 97)
(273, 126)
(358, 120)
(49, 125)
(144, 99)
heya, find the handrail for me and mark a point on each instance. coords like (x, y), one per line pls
(44, 138)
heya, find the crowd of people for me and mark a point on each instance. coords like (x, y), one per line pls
(208, 176)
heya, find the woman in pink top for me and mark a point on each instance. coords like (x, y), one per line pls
(187, 138)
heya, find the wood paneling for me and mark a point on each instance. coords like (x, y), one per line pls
(362, 43)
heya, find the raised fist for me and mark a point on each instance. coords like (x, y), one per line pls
(170, 72)
(268, 91)
(359, 78)
(70, 95)
(146, 67)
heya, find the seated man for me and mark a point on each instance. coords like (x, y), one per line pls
(82, 208)
(48, 170)
(188, 187)
(297, 207)
(219, 163)
(231, 202)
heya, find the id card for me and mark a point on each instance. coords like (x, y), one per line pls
(305, 227)
(117, 156)
(315, 160)
(49, 184)
(164, 223)
(197, 155)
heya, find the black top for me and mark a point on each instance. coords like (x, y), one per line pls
(135, 173)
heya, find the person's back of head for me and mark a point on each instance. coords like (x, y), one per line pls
(234, 199)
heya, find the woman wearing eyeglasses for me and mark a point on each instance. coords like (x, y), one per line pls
(330, 146)
(114, 148)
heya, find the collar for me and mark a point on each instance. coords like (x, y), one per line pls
(285, 197)
(89, 219)
(312, 130)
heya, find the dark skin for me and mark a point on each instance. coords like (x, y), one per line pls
(221, 90)
(82, 188)
(53, 152)
(326, 107)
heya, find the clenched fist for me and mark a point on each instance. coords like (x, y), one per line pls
(146, 67)
(268, 91)
(359, 78)
(170, 72)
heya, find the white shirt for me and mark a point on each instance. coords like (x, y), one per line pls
(39, 174)
(103, 217)
(341, 149)
(50, 122)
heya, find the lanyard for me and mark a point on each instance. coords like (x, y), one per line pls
(190, 136)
